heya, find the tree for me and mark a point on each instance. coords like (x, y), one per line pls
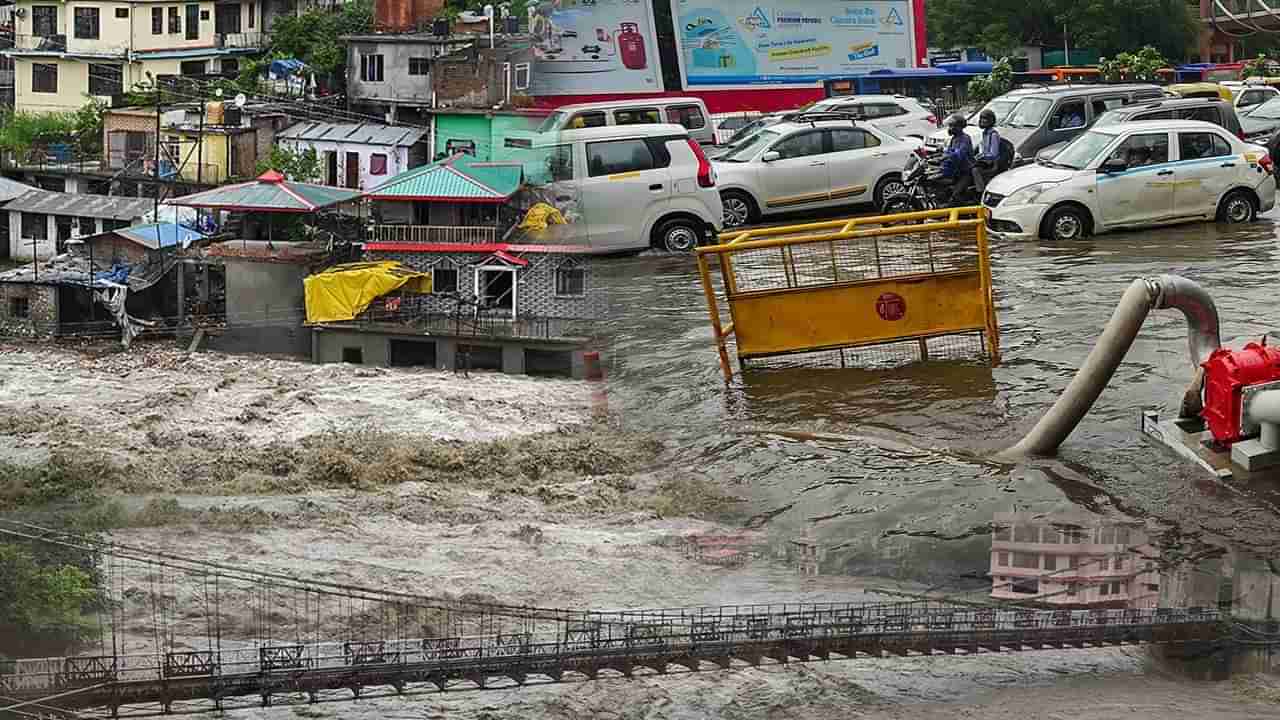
(43, 605)
(297, 166)
(1142, 65)
(998, 82)
(1259, 66)
(312, 37)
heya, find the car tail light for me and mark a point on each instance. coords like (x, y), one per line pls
(1265, 163)
(706, 177)
(934, 119)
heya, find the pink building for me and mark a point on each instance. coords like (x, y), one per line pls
(1073, 560)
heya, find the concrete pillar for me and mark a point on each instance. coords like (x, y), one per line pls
(1254, 594)
(182, 293)
(204, 283)
(447, 354)
(513, 359)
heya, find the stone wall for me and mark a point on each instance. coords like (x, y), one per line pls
(41, 309)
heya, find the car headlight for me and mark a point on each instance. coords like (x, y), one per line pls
(1028, 194)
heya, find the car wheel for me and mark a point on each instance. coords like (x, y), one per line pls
(1067, 223)
(1237, 207)
(888, 186)
(739, 209)
(678, 235)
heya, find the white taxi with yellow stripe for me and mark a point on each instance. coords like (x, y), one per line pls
(1133, 174)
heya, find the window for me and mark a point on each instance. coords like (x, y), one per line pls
(87, 225)
(371, 68)
(560, 163)
(122, 13)
(1026, 534)
(44, 77)
(1025, 586)
(883, 110)
(35, 226)
(193, 22)
(1163, 115)
(157, 21)
(1004, 532)
(522, 76)
(444, 280)
(571, 281)
(1119, 563)
(1252, 97)
(377, 164)
(454, 146)
(618, 156)
(1072, 590)
(689, 116)
(19, 307)
(800, 145)
(637, 116)
(1073, 562)
(253, 10)
(1050, 562)
(587, 119)
(230, 68)
(1068, 116)
(1142, 150)
(175, 21)
(1027, 561)
(353, 355)
(1194, 146)
(418, 66)
(1101, 105)
(44, 20)
(842, 140)
(1002, 559)
(1104, 589)
(105, 80)
(204, 14)
(193, 67)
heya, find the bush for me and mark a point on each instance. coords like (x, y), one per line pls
(998, 82)
(44, 603)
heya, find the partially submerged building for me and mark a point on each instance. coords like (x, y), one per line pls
(41, 222)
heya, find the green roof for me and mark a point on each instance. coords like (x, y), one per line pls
(460, 177)
(269, 193)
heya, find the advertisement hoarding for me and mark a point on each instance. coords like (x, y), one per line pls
(594, 46)
(727, 43)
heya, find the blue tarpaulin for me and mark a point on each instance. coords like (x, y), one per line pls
(289, 66)
(117, 274)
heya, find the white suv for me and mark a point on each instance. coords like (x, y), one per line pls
(897, 115)
(627, 188)
(809, 164)
(1147, 172)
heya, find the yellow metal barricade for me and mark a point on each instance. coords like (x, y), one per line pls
(916, 280)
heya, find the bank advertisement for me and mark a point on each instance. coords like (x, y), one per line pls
(593, 46)
(728, 43)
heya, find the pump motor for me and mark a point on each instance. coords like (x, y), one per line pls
(1231, 378)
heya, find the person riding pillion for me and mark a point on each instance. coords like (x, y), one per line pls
(957, 159)
(987, 160)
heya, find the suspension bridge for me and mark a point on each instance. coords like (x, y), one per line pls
(176, 635)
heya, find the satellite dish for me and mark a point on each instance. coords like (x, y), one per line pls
(217, 92)
(240, 100)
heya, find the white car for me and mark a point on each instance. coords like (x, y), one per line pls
(1136, 174)
(1001, 106)
(725, 125)
(1246, 95)
(807, 165)
(898, 115)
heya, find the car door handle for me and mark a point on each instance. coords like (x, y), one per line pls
(817, 163)
(1164, 172)
(1227, 165)
(656, 186)
(880, 155)
(564, 198)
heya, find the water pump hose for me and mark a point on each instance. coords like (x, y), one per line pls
(1163, 292)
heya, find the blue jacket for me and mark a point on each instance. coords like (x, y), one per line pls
(989, 148)
(957, 159)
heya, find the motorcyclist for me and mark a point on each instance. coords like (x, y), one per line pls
(957, 159)
(987, 159)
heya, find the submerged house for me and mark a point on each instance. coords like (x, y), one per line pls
(42, 221)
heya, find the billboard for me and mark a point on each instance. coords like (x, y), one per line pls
(593, 46)
(727, 43)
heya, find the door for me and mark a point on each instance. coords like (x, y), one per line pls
(1066, 121)
(496, 291)
(331, 168)
(889, 117)
(627, 183)
(1100, 105)
(856, 161)
(798, 177)
(563, 173)
(353, 170)
(1250, 99)
(1143, 192)
(226, 19)
(1206, 168)
(193, 22)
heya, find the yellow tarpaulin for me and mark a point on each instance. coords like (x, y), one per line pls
(540, 216)
(344, 291)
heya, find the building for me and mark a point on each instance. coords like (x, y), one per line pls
(1072, 559)
(456, 200)
(389, 74)
(479, 76)
(359, 156)
(65, 53)
(41, 222)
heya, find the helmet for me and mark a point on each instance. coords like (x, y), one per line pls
(955, 123)
(986, 119)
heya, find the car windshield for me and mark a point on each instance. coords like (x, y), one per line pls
(734, 123)
(749, 147)
(1000, 106)
(553, 122)
(1269, 110)
(1028, 113)
(745, 132)
(1110, 117)
(1080, 152)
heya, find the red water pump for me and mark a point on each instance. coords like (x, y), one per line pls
(1230, 377)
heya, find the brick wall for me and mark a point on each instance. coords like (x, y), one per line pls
(111, 249)
(41, 305)
(476, 77)
(117, 122)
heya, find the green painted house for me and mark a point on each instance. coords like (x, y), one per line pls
(460, 198)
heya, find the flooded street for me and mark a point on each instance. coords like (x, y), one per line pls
(897, 484)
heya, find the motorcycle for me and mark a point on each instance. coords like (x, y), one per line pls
(924, 188)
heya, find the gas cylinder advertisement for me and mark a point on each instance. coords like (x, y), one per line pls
(724, 43)
(593, 46)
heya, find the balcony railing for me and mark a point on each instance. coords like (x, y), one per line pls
(241, 40)
(43, 43)
(64, 43)
(433, 234)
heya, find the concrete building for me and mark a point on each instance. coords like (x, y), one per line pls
(1072, 559)
(265, 305)
(41, 222)
(389, 74)
(67, 52)
(360, 156)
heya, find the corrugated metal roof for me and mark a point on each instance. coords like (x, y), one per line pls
(47, 202)
(269, 193)
(158, 235)
(10, 189)
(361, 134)
(460, 177)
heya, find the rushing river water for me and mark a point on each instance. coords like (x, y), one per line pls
(899, 485)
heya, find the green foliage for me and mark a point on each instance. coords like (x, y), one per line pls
(1260, 66)
(22, 131)
(1142, 65)
(313, 36)
(43, 603)
(297, 166)
(998, 82)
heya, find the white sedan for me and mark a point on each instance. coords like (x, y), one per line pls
(1133, 175)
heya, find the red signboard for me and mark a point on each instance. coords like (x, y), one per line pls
(891, 307)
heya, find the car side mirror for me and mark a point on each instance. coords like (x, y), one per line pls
(1113, 166)
(770, 156)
